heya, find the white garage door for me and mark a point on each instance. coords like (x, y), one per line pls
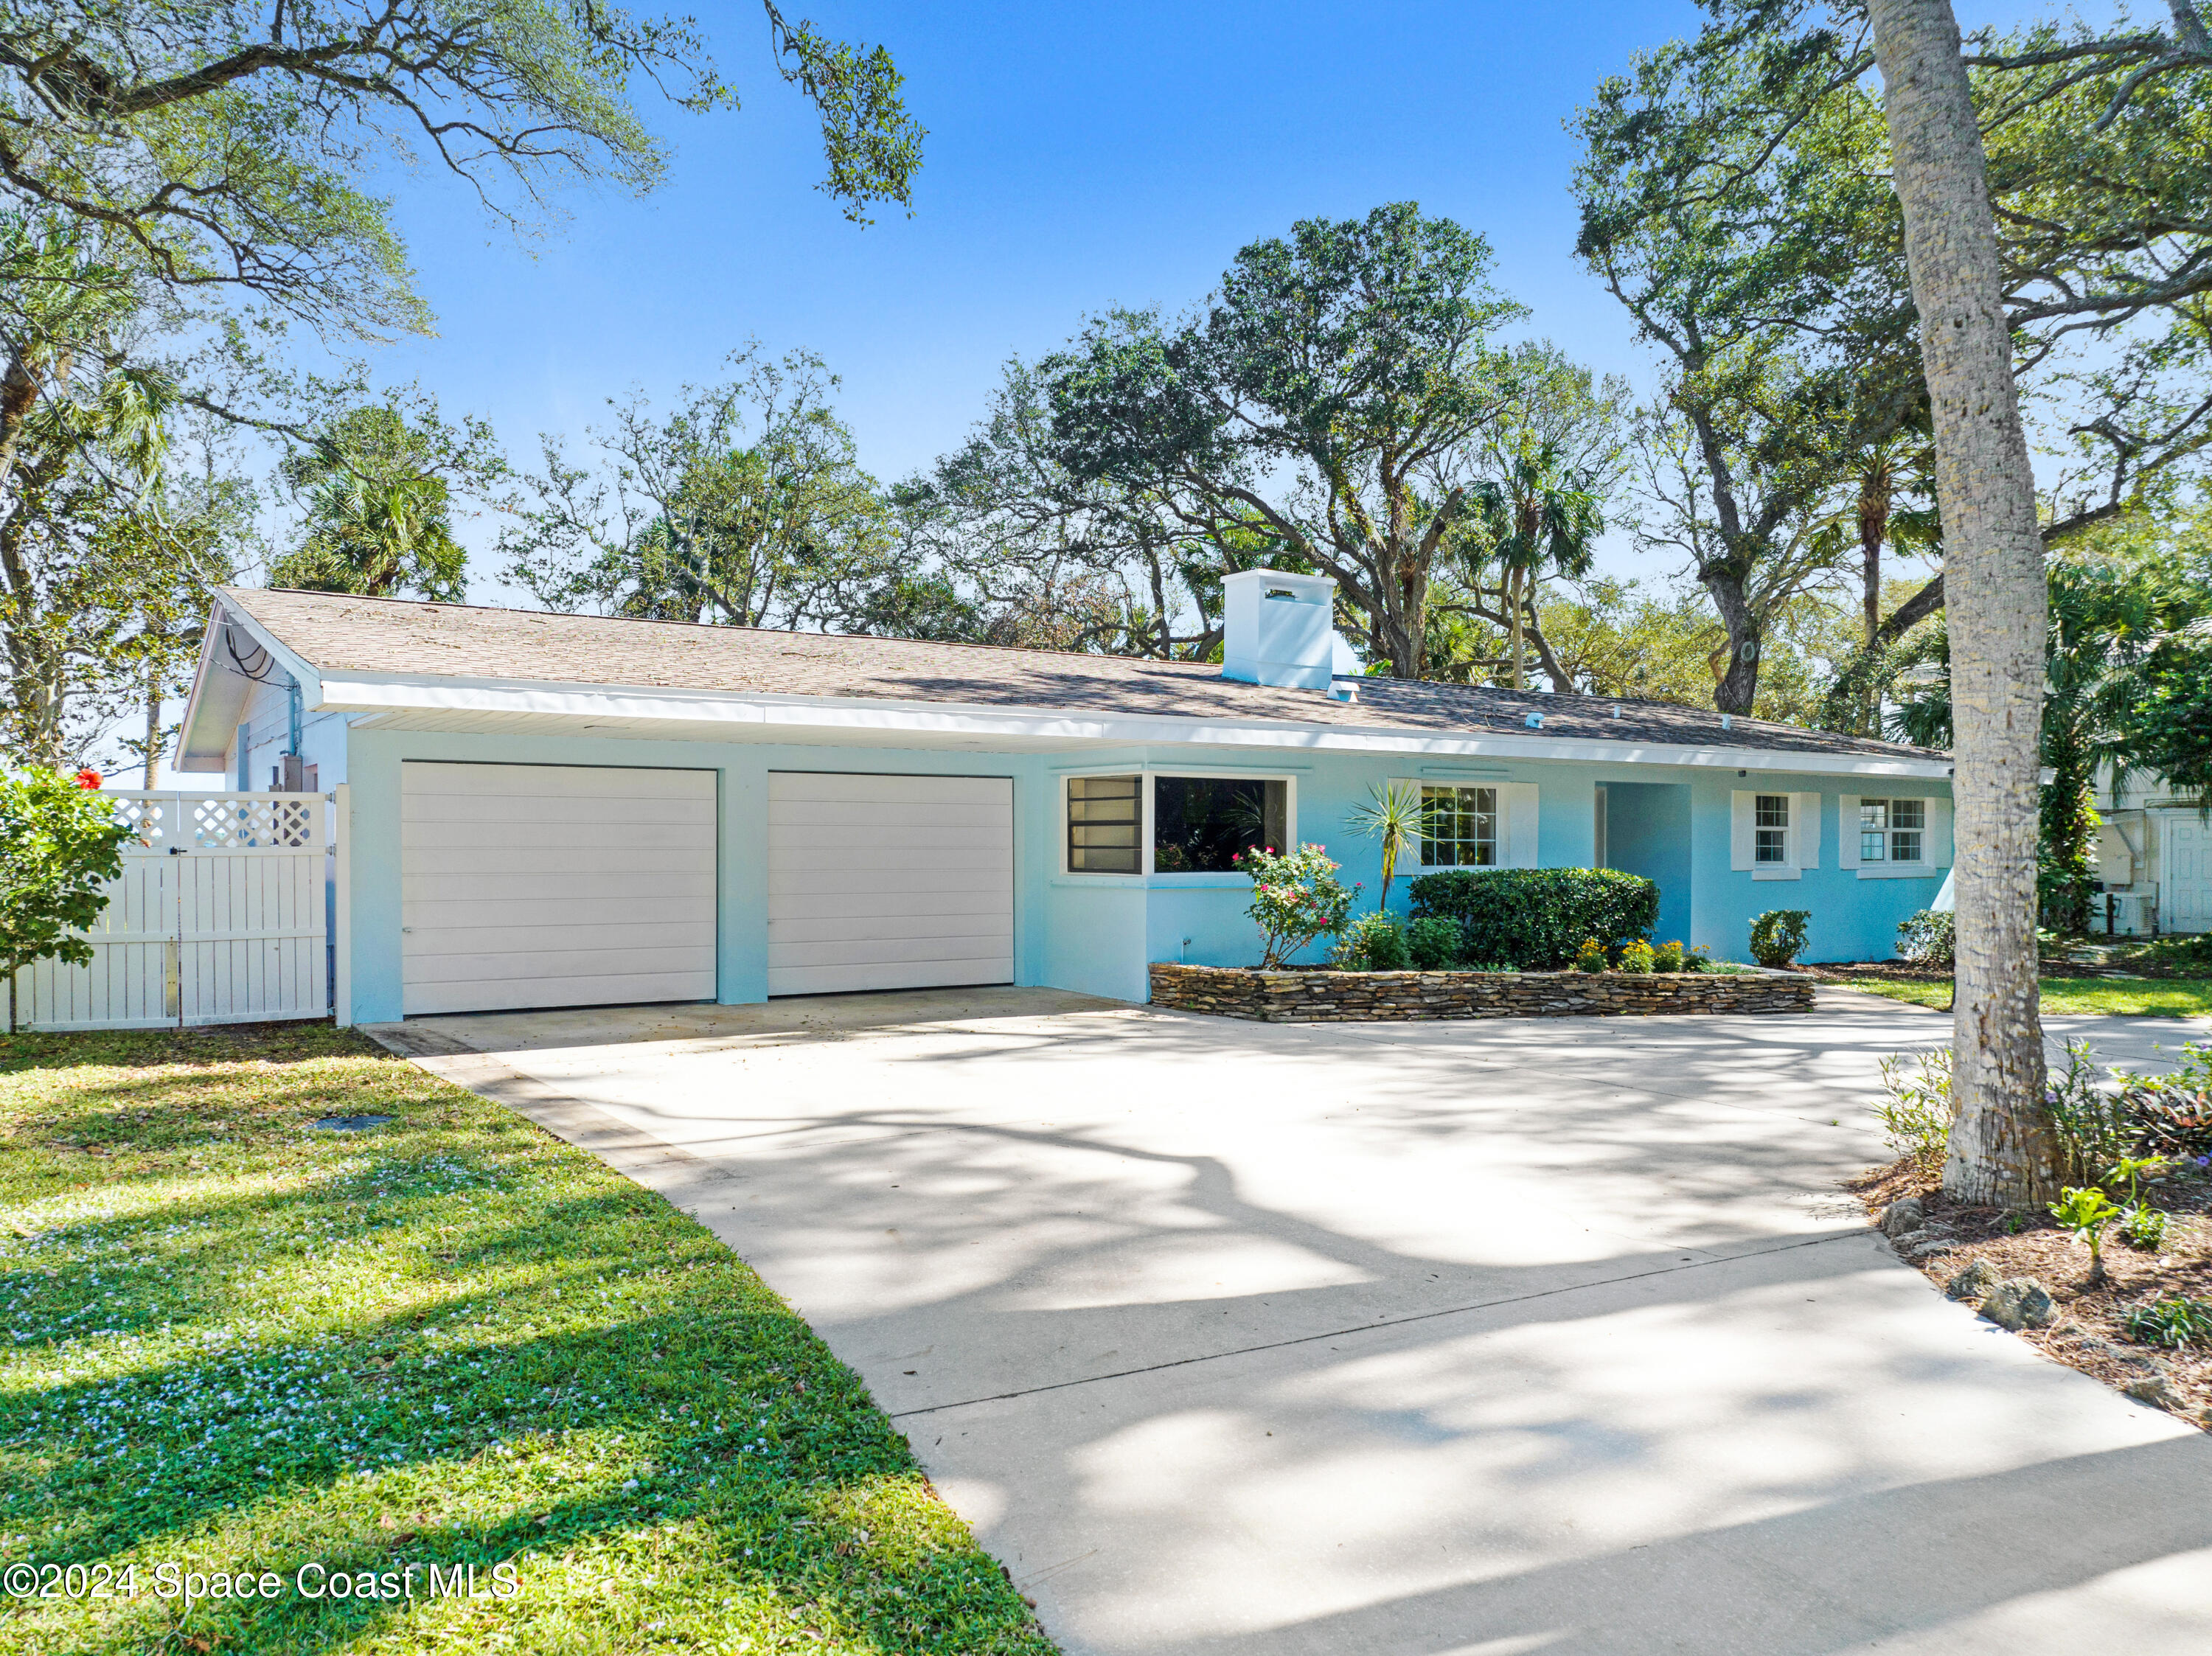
(555, 885)
(888, 882)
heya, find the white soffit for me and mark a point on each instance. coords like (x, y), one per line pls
(452, 704)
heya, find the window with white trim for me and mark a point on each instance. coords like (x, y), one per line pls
(1892, 830)
(1461, 828)
(1771, 830)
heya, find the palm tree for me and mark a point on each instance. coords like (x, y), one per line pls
(1539, 512)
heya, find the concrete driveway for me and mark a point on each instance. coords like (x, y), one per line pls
(1546, 1336)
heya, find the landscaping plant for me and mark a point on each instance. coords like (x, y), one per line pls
(1296, 898)
(2087, 1211)
(2093, 1124)
(1916, 1114)
(1396, 815)
(1668, 956)
(1778, 936)
(1432, 944)
(60, 844)
(1535, 919)
(1928, 938)
(1591, 957)
(1373, 942)
(2176, 1323)
(2145, 1229)
(1636, 956)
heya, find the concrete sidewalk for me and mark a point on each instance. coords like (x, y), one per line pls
(1505, 1336)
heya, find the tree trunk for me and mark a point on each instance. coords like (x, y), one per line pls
(153, 727)
(2002, 1151)
(1737, 687)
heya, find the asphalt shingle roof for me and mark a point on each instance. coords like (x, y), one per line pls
(335, 633)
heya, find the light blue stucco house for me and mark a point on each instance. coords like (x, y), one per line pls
(549, 810)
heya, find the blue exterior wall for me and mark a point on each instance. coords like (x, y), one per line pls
(1095, 933)
(1648, 827)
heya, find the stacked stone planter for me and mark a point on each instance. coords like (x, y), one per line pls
(1308, 997)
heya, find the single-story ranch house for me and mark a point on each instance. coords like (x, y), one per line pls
(555, 811)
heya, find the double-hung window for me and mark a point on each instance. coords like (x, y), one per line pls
(1461, 828)
(1892, 830)
(1771, 830)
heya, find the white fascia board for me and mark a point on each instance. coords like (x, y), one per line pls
(371, 692)
(189, 755)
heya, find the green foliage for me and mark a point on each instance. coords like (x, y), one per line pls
(746, 504)
(59, 845)
(232, 150)
(1373, 942)
(1916, 1110)
(376, 493)
(1590, 956)
(1321, 406)
(2169, 728)
(2086, 1212)
(1928, 938)
(1637, 956)
(2129, 1170)
(1397, 816)
(1296, 898)
(1432, 944)
(2094, 1122)
(453, 1337)
(1535, 919)
(1777, 936)
(2178, 1324)
(1699, 959)
(2145, 1229)
(2170, 1115)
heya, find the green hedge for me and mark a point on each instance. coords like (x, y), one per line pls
(1535, 918)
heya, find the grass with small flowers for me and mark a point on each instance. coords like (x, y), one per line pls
(235, 1343)
(2136, 997)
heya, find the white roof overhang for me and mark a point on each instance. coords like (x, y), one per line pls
(420, 702)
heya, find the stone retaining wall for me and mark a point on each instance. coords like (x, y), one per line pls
(1308, 997)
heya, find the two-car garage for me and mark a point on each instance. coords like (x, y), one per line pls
(573, 885)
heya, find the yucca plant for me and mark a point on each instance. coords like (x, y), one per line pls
(1396, 815)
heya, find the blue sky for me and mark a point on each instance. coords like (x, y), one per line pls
(1078, 159)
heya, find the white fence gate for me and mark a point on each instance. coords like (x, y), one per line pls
(219, 917)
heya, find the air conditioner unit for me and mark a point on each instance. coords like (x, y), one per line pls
(2131, 913)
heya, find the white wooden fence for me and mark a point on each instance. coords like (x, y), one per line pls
(219, 917)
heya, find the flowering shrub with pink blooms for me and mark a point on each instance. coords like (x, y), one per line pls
(1296, 898)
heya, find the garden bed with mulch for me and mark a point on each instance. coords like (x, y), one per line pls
(2089, 1332)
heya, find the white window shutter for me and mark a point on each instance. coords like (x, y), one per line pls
(1742, 845)
(1517, 804)
(1847, 830)
(1938, 849)
(1805, 829)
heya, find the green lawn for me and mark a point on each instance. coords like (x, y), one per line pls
(2150, 997)
(234, 1345)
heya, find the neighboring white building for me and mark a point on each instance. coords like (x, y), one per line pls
(2154, 858)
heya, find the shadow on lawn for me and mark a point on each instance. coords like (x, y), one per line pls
(213, 1455)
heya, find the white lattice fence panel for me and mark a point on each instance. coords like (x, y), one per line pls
(218, 917)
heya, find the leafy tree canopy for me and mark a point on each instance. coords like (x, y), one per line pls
(1325, 401)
